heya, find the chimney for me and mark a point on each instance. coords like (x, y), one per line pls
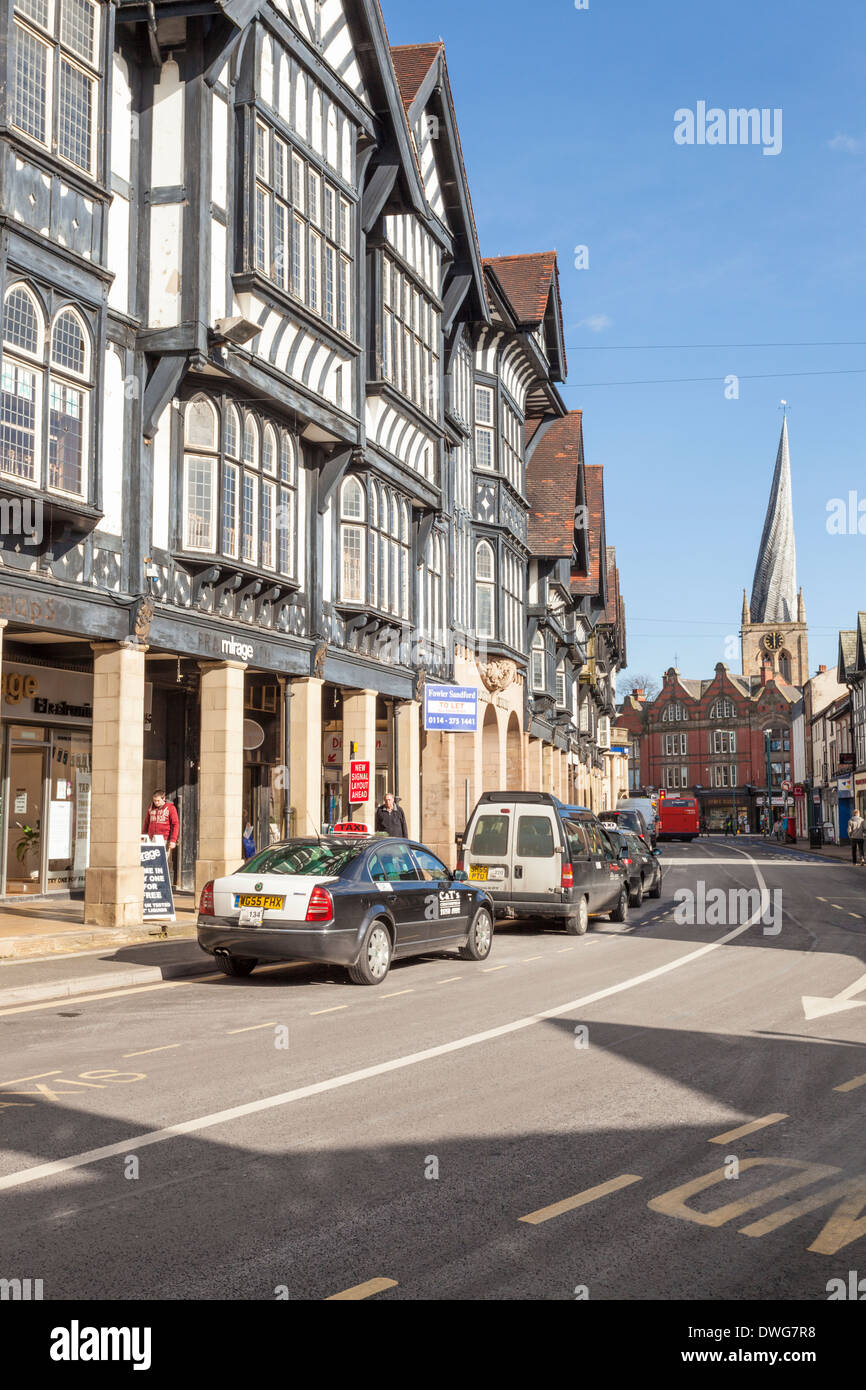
(640, 695)
(822, 670)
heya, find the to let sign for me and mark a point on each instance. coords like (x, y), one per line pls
(451, 709)
(359, 783)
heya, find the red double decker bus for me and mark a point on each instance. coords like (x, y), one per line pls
(679, 818)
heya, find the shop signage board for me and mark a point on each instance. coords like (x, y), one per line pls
(451, 709)
(332, 746)
(48, 694)
(158, 897)
(359, 783)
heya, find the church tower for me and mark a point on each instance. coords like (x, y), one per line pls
(774, 636)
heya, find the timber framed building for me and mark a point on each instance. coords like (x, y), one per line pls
(273, 437)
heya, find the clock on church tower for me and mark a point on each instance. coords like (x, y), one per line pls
(774, 635)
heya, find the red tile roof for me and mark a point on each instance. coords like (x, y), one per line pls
(526, 281)
(551, 486)
(590, 582)
(412, 62)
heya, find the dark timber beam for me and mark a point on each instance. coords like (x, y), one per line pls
(331, 475)
(159, 390)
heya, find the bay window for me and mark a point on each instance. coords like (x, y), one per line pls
(55, 76)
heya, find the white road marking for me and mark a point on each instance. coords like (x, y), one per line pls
(335, 1083)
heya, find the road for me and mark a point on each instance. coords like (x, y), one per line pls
(642, 1113)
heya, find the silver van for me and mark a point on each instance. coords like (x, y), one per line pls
(644, 805)
(537, 857)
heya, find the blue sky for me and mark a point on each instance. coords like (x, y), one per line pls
(567, 121)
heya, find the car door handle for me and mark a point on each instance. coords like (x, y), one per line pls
(518, 871)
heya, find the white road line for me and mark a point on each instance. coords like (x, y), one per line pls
(352, 1078)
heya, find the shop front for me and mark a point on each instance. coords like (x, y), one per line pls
(336, 806)
(46, 759)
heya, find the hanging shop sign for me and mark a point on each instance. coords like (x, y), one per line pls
(451, 709)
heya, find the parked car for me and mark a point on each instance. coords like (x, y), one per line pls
(627, 820)
(642, 866)
(360, 902)
(644, 805)
(539, 858)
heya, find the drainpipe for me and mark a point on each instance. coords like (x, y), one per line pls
(151, 35)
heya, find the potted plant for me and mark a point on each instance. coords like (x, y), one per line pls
(28, 844)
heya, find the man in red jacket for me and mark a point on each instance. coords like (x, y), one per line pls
(161, 821)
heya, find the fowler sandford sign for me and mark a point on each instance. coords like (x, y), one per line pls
(451, 709)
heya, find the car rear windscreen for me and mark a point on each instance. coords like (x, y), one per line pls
(304, 860)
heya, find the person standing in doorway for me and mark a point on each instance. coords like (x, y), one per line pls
(856, 829)
(162, 822)
(390, 818)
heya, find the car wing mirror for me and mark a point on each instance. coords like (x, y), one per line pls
(460, 876)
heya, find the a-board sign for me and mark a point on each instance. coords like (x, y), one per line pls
(158, 897)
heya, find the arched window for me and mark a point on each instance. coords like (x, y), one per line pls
(537, 663)
(485, 574)
(436, 588)
(233, 503)
(353, 538)
(21, 401)
(69, 404)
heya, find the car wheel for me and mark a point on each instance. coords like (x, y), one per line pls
(374, 961)
(236, 966)
(480, 937)
(656, 890)
(620, 912)
(577, 923)
(636, 897)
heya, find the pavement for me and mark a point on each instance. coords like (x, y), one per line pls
(663, 1109)
(30, 930)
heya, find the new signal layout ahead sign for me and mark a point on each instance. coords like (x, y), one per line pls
(451, 709)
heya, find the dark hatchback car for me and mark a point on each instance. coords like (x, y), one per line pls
(642, 866)
(629, 820)
(360, 902)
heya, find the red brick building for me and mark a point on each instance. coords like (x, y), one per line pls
(719, 739)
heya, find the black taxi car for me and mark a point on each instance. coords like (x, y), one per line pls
(358, 901)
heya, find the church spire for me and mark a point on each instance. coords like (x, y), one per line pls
(774, 590)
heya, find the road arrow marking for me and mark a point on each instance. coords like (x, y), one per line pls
(813, 1007)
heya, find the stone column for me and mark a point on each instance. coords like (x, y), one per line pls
(547, 767)
(305, 750)
(221, 774)
(114, 880)
(407, 724)
(359, 727)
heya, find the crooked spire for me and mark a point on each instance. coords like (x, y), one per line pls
(774, 589)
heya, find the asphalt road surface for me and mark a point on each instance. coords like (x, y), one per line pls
(648, 1112)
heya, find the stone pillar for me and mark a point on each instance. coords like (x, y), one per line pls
(114, 880)
(221, 774)
(305, 752)
(407, 727)
(359, 727)
(547, 767)
(442, 805)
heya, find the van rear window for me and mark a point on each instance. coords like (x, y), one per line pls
(491, 835)
(534, 837)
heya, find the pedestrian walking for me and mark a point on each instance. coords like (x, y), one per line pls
(390, 818)
(856, 828)
(162, 822)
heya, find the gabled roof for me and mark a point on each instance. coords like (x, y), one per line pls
(592, 580)
(530, 284)
(412, 62)
(552, 487)
(421, 71)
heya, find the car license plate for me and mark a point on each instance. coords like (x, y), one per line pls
(251, 917)
(478, 873)
(252, 900)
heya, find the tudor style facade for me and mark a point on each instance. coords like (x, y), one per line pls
(277, 415)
